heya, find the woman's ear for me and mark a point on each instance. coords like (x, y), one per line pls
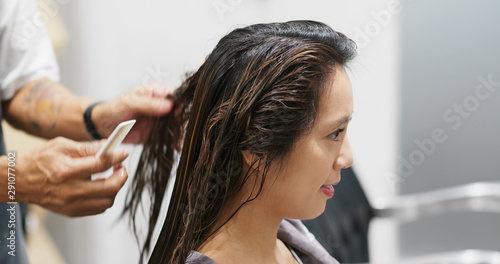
(250, 159)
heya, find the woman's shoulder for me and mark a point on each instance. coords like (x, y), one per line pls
(196, 257)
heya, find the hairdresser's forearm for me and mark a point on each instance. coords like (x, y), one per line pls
(47, 109)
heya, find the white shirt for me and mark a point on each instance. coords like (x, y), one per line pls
(26, 53)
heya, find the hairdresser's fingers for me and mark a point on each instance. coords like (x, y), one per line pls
(83, 207)
(83, 149)
(151, 105)
(154, 90)
(108, 187)
(85, 197)
(151, 100)
(102, 188)
(140, 102)
(89, 165)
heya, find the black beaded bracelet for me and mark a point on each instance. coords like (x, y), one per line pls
(88, 122)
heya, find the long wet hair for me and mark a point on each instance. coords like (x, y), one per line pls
(259, 91)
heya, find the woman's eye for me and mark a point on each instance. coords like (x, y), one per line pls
(335, 135)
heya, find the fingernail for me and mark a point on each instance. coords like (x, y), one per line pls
(123, 172)
(125, 154)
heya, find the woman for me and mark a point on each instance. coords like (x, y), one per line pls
(265, 119)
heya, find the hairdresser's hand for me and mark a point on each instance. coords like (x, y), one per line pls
(144, 104)
(57, 176)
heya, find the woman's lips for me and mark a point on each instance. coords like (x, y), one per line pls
(328, 190)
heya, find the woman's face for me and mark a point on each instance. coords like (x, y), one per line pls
(301, 188)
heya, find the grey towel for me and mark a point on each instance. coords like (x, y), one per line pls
(295, 234)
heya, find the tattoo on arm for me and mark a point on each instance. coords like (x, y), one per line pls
(43, 105)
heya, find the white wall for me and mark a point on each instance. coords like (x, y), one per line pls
(115, 45)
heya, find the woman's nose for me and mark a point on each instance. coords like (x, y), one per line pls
(345, 158)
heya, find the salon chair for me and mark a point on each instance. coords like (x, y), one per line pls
(343, 228)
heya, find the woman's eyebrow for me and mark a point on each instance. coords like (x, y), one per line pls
(340, 122)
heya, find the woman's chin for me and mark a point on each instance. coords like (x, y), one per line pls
(311, 212)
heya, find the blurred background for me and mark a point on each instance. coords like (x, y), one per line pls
(425, 108)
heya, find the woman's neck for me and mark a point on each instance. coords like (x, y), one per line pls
(250, 236)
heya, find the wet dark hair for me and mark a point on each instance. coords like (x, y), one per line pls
(259, 91)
